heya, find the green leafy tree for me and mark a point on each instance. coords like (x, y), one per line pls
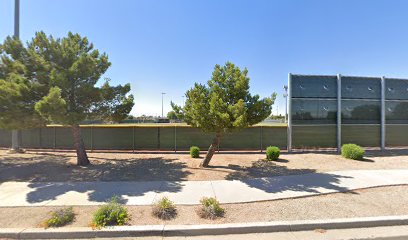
(23, 82)
(75, 69)
(172, 115)
(225, 105)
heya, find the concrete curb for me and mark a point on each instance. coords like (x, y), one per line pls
(208, 229)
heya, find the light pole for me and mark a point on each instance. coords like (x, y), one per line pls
(162, 104)
(285, 95)
(16, 134)
(17, 18)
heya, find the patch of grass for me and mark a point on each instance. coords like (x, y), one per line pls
(60, 217)
(210, 208)
(164, 209)
(272, 153)
(352, 151)
(111, 214)
(195, 152)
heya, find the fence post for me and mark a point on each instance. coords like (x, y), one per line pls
(158, 138)
(289, 127)
(40, 138)
(338, 113)
(92, 138)
(55, 138)
(383, 113)
(175, 138)
(260, 131)
(133, 139)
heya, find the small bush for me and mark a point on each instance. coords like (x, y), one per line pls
(112, 213)
(211, 208)
(352, 151)
(194, 152)
(60, 217)
(164, 209)
(272, 153)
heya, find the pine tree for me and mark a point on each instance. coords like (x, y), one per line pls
(225, 105)
(23, 82)
(75, 68)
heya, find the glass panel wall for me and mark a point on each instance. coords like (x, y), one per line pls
(360, 88)
(314, 111)
(396, 89)
(314, 86)
(360, 111)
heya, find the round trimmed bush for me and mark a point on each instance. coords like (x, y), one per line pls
(352, 151)
(272, 153)
(194, 152)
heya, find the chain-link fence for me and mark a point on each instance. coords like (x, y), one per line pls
(171, 138)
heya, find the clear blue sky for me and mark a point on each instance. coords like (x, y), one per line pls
(166, 46)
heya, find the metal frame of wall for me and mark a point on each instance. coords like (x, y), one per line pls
(339, 112)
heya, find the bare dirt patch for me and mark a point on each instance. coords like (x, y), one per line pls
(60, 167)
(382, 201)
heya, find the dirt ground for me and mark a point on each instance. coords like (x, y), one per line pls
(60, 167)
(382, 201)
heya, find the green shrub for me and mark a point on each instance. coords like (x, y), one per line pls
(272, 153)
(194, 152)
(60, 217)
(352, 151)
(112, 213)
(164, 209)
(211, 208)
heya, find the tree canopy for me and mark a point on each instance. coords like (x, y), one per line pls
(224, 104)
(23, 82)
(74, 70)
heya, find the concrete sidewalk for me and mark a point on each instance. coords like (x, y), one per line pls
(190, 192)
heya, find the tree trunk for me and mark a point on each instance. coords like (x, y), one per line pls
(82, 157)
(211, 151)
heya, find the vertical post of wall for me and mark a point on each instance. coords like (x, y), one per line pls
(289, 127)
(260, 140)
(133, 139)
(55, 138)
(175, 138)
(382, 113)
(92, 141)
(338, 113)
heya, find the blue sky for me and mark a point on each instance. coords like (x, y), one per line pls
(167, 45)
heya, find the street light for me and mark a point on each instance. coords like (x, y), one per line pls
(16, 134)
(285, 95)
(162, 104)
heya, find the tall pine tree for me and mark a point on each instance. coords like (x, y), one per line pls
(75, 68)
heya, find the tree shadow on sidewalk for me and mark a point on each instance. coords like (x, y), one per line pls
(263, 168)
(272, 178)
(52, 176)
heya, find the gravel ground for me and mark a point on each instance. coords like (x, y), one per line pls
(382, 201)
(60, 167)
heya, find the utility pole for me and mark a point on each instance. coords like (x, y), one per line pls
(17, 18)
(16, 134)
(162, 104)
(285, 95)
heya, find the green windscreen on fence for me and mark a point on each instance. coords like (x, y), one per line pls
(171, 138)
